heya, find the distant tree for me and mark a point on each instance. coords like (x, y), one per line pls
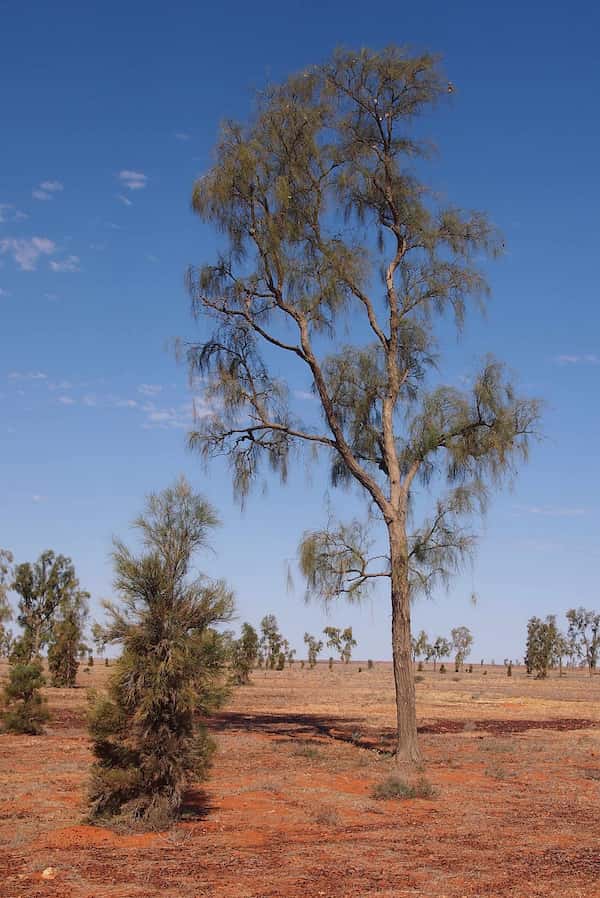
(441, 648)
(318, 198)
(290, 654)
(6, 560)
(41, 587)
(348, 643)
(244, 654)
(541, 642)
(560, 650)
(66, 638)
(147, 733)
(314, 646)
(419, 645)
(25, 709)
(333, 639)
(271, 640)
(584, 631)
(98, 636)
(462, 640)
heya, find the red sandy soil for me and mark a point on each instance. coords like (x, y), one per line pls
(288, 811)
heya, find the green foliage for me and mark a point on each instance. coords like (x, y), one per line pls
(441, 648)
(147, 734)
(271, 641)
(541, 640)
(314, 646)
(420, 645)
(340, 640)
(66, 638)
(6, 560)
(584, 632)
(43, 587)
(395, 787)
(25, 708)
(462, 640)
(244, 654)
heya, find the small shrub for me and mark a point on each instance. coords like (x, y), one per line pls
(26, 709)
(360, 669)
(307, 751)
(470, 668)
(370, 664)
(509, 669)
(327, 816)
(443, 669)
(106, 662)
(418, 679)
(394, 787)
(420, 666)
(331, 664)
(91, 661)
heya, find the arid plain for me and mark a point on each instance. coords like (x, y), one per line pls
(288, 810)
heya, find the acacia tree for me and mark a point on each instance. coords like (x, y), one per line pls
(6, 560)
(42, 587)
(244, 653)
(419, 645)
(584, 631)
(338, 259)
(462, 640)
(271, 640)
(66, 638)
(148, 736)
(541, 645)
(313, 647)
(437, 650)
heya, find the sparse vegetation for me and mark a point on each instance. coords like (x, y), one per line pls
(25, 709)
(393, 787)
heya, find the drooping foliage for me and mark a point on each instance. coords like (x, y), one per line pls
(66, 640)
(148, 736)
(339, 259)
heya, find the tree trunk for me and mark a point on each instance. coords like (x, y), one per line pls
(407, 747)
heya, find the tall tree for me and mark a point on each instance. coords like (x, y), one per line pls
(42, 587)
(338, 259)
(66, 639)
(420, 644)
(6, 560)
(437, 650)
(271, 640)
(584, 631)
(462, 640)
(244, 654)
(313, 648)
(541, 645)
(148, 738)
(348, 643)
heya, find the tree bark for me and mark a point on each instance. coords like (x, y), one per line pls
(407, 746)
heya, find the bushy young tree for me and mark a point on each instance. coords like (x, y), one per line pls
(584, 631)
(348, 643)
(6, 560)
(147, 734)
(66, 638)
(340, 260)
(313, 646)
(25, 708)
(333, 639)
(541, 642)
(271, 640)
(244, 654)
(420, 644)
(441, 648)
(462, 640)
(41, 587)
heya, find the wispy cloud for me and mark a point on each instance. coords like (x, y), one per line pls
(26, 252)
(124, 199)
(4, 292)
(27, 375)
(134, 180)
(304, 395)
(47, 189)
(66, 400)
(182, 135)
(554, 511)
(150, 389)
(70, 264)
(37, 498)
(9, 213)
(590, 358)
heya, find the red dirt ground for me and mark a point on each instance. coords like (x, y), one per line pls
(288, 811)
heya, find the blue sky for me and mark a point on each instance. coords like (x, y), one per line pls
(109, 111)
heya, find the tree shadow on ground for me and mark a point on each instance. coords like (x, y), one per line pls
(295, 727)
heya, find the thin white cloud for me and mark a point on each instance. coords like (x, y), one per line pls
(27, 375)
(589, 358)
(554, 511)
(60, 385)
(182, 135)
(4, 292)
(26, 252)
(124, 199)
(9, 213)
(133, 180)
(305, 395)
(149, 389)
(70, 264)
(46, 190)
(37, 498)
(90, 400)
(66, 400)
(125, 403)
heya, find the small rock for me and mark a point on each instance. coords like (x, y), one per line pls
(49, 873)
